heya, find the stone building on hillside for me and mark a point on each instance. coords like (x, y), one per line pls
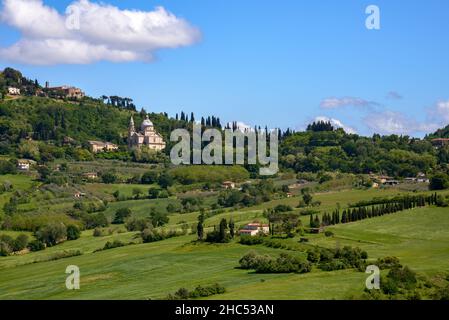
(147, 136)
(65, 91)
(100, 146)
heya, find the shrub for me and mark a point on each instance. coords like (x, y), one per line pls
(137, 224)
(5, 249)
(216, 237)
(441, 201)
(249, 241)
(7, 167)
(94, 220)
(97, 232)
(149, 177)
(36, 245)
(21, 242)
(308, 212)
(151, 235)
(109, 178)
(285, 263)
(282, 208)
(403, 277)
(52, 234)
(328, 233)
(313, 255)
(73, 232)
(388, 263)
(64, 254)
(171, 208)
(249, 260)
(338, 259)
(153, 193)
(439, 181)
(121, 214)
(158, 219)
(199, 291)
(335, 264)
(113, 244)
(441, 293)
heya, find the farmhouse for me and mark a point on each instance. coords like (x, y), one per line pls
(24, 164)
(253, 229)
(99, 146)
(90, 175)
(391, 182)
(147, 136)
(14, 91)
(79, 195)
(317, 230)
(422, 178)
(228, 185)
(440, 142)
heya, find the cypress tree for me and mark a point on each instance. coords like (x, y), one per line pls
(231, 228)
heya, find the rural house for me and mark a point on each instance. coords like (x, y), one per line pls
(440, 142)
(228, 185)
(254, 229)
(14, 91)
(24, 164)
(90, 175)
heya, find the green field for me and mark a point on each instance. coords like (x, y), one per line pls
(419, 237)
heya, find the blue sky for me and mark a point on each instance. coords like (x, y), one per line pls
(276, 62)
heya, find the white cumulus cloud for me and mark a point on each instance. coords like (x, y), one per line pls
(440, 112)
(334, 103)
(390, 122)
(89, 32)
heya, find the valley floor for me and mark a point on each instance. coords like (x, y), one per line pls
(418, 237)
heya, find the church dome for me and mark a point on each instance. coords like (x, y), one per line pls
(146, 123)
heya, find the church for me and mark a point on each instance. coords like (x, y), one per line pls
(147, 136)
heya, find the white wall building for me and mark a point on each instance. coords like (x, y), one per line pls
(14, 91)
(254, 229)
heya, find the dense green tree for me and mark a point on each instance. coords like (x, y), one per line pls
(153, 193)
(149, 177)
(232, 228)
(73, 232)
(439, 181)
(121, 214)
(200, 226)
(109, 178)
(52, 234)
(165, 180)
(158, 219)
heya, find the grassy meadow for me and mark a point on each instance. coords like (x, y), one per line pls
(418, 237)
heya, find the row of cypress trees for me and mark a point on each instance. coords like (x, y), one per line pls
(376, 210)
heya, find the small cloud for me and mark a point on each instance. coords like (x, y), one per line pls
(334, 103)
(105, 33)
(241, 126)
(393, 95)
(390, 122)
(336, 123)
(440, 113)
